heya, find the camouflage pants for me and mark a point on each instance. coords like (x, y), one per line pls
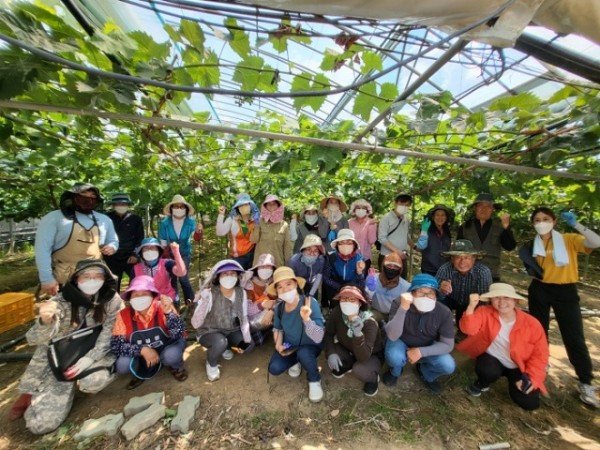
(52, 399)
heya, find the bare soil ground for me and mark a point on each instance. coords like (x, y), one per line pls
(243, 410)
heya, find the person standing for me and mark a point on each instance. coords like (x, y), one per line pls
(393, 231)
(70, 234)
(332, 210)
(365, 228)
(243, 217)
(488, 234)
(130, 230)
(434, 240)
(272, 234)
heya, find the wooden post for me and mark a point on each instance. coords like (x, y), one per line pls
(11, 236)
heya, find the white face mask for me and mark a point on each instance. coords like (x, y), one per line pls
(178, 212)
(90, 287)
(150, 255)
(121, 209)
(543, 227)
(360, 213)
(349, 309)
(265, 274)
(401, 209)
(228, 282)
(345, 249)
(311, 220)
(424, 304)
(141, 303)
(288, 296)
(333, 208)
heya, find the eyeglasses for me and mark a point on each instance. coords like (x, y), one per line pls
(311, 251)
(91, 276)
(424, 293)
(347, 299)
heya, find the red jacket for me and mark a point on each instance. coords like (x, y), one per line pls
(528, 343)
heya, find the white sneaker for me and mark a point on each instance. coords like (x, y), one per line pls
(295, 370)
(212, 372)
(315, 392)
(588, 395)
(227, 355)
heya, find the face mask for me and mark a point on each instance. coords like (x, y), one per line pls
(122, 210)
(360, 213)
(90, 287)
(178, 212)
(390, 273)
(150, 255)
(401, 209)
(309, 260)
(244, 209)
(85, 204)
(311, 220)
(141, 303)
(288, 296)
(228, 282)
(543, 227)
(333, 208)
(345, 249)
(265, 274)
(424, 304)
(349, 309)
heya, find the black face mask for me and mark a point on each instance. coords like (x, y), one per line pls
(85, 204)
(390, 273)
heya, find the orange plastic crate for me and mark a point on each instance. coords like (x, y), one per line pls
(16, 308)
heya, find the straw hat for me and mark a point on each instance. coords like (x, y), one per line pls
(177, 198)
(312, 240)
(284, 273)
(343, 206)
(502, 290)
(343, 235)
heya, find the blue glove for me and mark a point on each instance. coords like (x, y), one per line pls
(569, 217)
(331, 236)
(425, 225)
(371, 283)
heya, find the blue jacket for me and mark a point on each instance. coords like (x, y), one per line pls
(166, 232)
(338, 273)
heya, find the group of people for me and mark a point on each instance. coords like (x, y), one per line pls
(368, 317)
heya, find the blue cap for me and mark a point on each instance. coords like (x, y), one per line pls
(423, 280)
(149, 242)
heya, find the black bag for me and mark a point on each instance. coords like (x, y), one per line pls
(378, 244)
(65, 351)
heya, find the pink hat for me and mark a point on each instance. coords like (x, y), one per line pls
(266, 259)
(140, 283)
(271, 198)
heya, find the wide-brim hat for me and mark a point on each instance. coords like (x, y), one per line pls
(78, 188)
(284, 273)
(271, 198)
(484, 197)
(351, 292)
(220, 267)
(463, 247)
(308, 208)
(361, 202)
(502, 290)
(177, 198)
(312, 240)
(242, 199)
(266, 259)
(140, 283)
(120, 198)
(424, 280)
(150, 242)
(343, 235)
(449, 213)
(343, 206)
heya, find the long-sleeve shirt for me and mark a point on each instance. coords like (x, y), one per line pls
(338, 273)
(204, 301)
(382, 297)
(130, 230)
(365, 233)
(297, 332)
(53, 233)
(476, 281)
(431, 332)
(312, 274)
(273, 238)
(167, 234)
(397, 237)
(239, 240)
(362, 346)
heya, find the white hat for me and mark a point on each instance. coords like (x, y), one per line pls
(343, 235)
(502, 290)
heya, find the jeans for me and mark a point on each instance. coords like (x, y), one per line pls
(170, 355)
(186, 286)
(306, 355)
(564, 300)
(432, 367)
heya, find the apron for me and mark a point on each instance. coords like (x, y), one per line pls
(82, 244)
(154, 337)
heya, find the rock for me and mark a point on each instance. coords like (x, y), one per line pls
(185, 413)
(138, 404)
(335, 413)
(143, 420)
(108, 425)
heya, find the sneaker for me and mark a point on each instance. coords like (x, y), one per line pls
(340, 373)
(315, 392)
(227, 355)
(18, 408)
(475, 390)
(212, 372)
(390, 380)
(588, 395)
(434, 386)
(295, 370)
(371, 388)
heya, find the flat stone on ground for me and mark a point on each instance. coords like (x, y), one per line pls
(143, 420)
(138, 404)
(185, 414)
(108, 425)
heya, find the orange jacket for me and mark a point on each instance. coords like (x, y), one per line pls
(528, 343)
